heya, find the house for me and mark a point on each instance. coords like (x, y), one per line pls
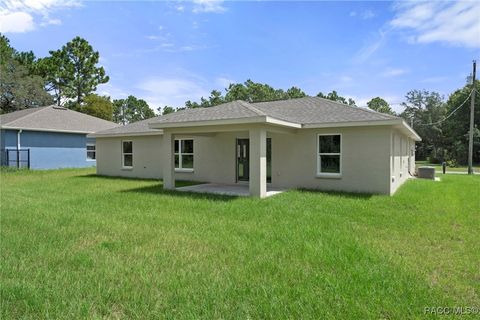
(49, 138)
(299, 143)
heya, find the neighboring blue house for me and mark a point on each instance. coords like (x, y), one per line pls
(49, 138)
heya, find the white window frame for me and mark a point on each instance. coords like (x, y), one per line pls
(180, 154)
(126, 153)
(319, 162)
(94, 151)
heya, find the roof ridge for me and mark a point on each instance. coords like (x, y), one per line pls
(28, 115)
(81, 113)
(358, 108)
(251, 107)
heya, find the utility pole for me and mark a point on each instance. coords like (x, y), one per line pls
(470, 133)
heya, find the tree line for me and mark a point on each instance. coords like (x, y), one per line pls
(442, 124)
(70, 75)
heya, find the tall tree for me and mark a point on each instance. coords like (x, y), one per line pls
(334, 96)
(295, 92)
(72, 71)
(131, 110)
(456, 127)
(166, 110)
(19, 87)
(253, 92)
(58, 74)
(97, 106)
(425, 111)
(380, 105)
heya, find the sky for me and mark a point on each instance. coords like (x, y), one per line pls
(170, 52)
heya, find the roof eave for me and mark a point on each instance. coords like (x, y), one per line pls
(410, 132)
(125, 134)
(282, 123)
(386, 122)
(219, 122)
(45, 130)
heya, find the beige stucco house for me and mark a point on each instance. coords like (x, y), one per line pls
(299, 143)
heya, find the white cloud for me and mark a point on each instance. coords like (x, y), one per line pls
(345, 79)
(108, 89)
(455, 23)
(370, 48)
(16, 22)
(434, 79)
(55, 22)
(367, 14)
(153, 37)
(159, 91)
(208, 6)
(393, 100)
(393, 72)
(21, 16)
(224, 82)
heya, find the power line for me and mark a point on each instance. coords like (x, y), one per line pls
(451, 113)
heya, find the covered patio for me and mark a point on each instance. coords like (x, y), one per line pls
(256, 135)
(253, 130)
(237, 190)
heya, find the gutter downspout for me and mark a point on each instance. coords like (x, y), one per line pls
(19, 132)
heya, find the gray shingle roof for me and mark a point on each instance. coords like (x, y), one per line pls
(131, 128)
(230, 110)
(317, 110)
(308, 110)
(53, 118)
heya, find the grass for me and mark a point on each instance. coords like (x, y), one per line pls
(438, 167)
(74, 245)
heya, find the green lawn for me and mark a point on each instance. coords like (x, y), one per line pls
(438, 167)
(74, 245)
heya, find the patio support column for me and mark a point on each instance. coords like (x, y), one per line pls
(168, 161)
(258, 162)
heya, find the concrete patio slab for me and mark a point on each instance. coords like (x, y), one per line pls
(237, 190)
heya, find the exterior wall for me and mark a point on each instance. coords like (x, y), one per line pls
(365, 159)
(146, 157)
(402, 159)
(8, 139)
(50, 150)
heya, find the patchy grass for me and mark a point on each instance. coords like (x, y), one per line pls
(74, 245)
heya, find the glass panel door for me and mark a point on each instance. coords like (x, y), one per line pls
(243, 156)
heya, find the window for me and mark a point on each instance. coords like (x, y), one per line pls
(91, 152)
(184, 155)
(329, 162)
(127, 154)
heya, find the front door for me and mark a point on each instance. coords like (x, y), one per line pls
(243, 156)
